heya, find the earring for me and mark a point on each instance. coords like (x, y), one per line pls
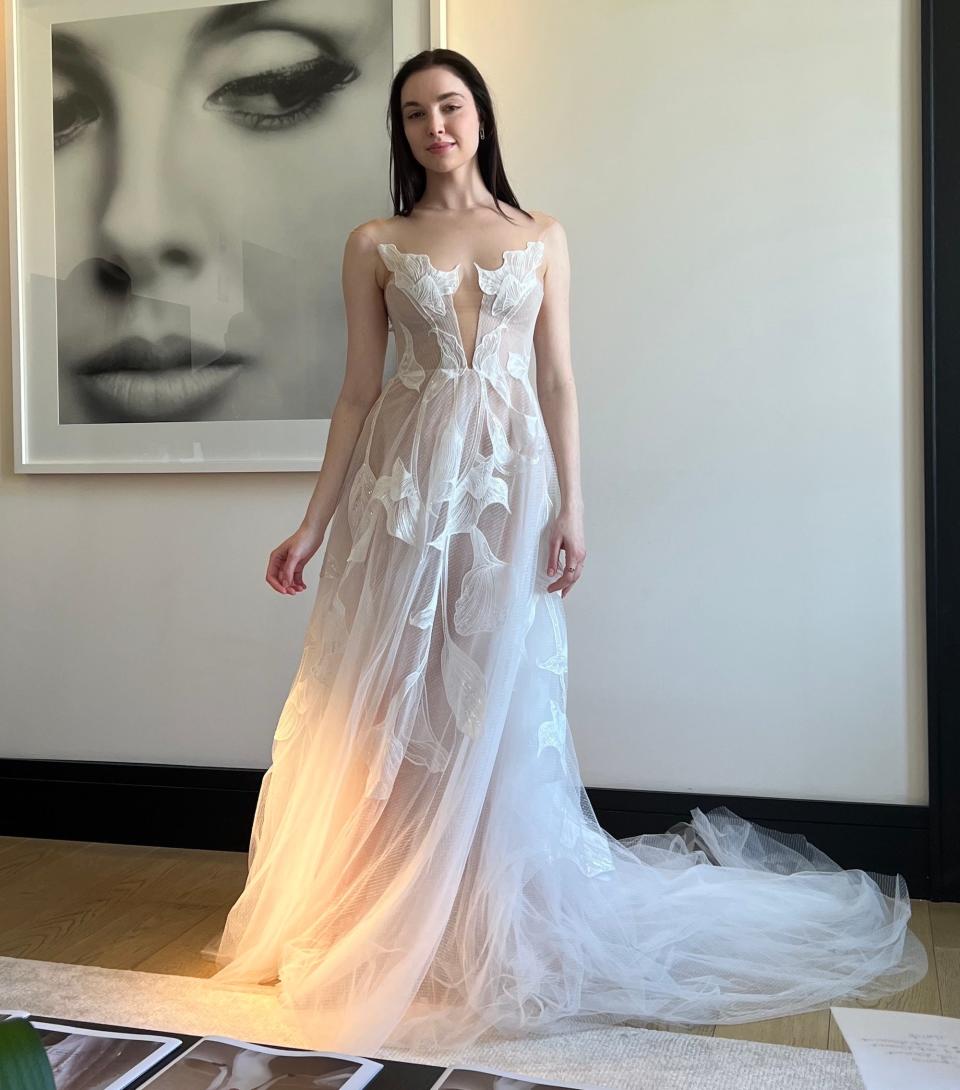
(481, 132)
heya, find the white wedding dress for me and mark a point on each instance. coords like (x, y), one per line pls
(425, 866)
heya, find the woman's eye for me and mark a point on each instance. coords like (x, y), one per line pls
(71, 113)
(417, 113)
(282, 96)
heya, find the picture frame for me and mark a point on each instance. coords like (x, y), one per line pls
(940, 96)
(176, 296)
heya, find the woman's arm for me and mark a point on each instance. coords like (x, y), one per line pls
(557, 394)
(366, 351)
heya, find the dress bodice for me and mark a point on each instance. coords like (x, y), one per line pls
(420, 302)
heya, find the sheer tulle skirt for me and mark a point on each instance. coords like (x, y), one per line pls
(425, 866)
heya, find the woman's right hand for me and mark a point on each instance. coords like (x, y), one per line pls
(286, 563)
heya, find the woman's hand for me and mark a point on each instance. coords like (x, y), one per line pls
(286, 563)
(567, 534)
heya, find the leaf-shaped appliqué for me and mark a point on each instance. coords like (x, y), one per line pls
(553, 733)
(579, 842)
(475, 490)
(445, 465)
(398, 493)
(512, 282)
(518, 366)
(409, 371)
(291, 715)
(465, 688)
(423, 610)
(487, 363)
(360, 492)
(556, 662)
(452, 357)
(363, 536)
(534, 435)
(391, 734)
(414, 275)
(424, 617)
(384, 766)
(483, 602)
(503, 453)
(478, 488)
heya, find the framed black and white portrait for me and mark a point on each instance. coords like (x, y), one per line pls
(182, 181)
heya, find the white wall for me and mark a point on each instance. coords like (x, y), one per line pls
(739, 181)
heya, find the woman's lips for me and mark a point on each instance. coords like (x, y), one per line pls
(439, 149)
(153, 380)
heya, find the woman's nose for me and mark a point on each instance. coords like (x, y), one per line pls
(151, 222)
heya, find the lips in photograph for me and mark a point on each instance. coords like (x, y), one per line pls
(154, 380)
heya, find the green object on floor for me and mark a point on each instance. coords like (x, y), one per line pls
(23, 1059)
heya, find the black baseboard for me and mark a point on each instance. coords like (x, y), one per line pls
(186, 807)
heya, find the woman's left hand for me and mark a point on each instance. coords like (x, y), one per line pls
(567, 534)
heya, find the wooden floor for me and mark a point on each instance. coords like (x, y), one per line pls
(153, 909)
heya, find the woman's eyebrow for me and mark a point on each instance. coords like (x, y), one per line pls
(226, 17)
(236, 17)
(67, 47)
(413, 101)
(74, 55)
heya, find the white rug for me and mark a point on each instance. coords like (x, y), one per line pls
(622, 1058)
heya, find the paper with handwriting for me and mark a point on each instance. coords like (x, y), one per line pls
(897, 1049)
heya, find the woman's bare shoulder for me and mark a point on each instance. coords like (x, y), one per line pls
(551, 234)
(372, 232)
(549, 230)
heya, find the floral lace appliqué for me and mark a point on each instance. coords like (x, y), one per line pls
(511, 283)
(415, 275)
(398, 493)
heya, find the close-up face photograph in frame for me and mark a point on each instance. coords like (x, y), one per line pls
(186, 177)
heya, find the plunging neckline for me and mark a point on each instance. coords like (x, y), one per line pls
(484, 295)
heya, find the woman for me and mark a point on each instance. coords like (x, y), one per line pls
(426, 868)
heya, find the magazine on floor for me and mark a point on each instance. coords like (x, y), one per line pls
(100, 1059)
(215, 1062)
(85, 1058)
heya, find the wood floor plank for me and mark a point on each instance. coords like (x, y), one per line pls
(29, 857)
(132, 935)
(118, 872)
(112, 934)
(47, 930)
(948, 974)
(199, 877)
(181, 956)
(945, 924)
(10, 843)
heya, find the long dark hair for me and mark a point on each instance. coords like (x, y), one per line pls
(408, 178)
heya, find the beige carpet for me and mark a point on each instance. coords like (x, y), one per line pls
(622, 1058)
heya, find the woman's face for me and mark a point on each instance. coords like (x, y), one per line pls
(440, 119)
(208, 165)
